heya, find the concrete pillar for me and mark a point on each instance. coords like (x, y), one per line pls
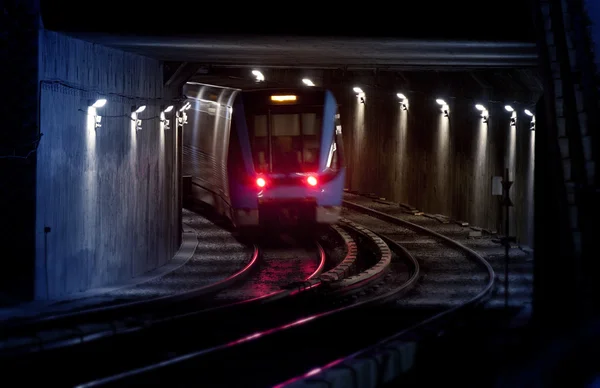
(566, 292)
(593, 13)
(19, 135)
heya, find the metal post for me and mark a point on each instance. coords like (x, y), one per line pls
(506, 240)
(179, 169)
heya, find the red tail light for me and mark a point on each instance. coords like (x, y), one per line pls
(260, 182)
(311, 180)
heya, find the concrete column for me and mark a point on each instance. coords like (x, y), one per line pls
(19, 135)
(566, 291)
(593, 13)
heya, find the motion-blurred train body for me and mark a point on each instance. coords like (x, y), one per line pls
(263, 156)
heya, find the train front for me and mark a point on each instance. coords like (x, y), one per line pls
(294, 170)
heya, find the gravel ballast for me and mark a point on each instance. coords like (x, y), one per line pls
(279, 265)
(520, 262)
(448, 277)
(218, 255)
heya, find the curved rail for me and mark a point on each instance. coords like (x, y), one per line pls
(413, 277)
(371, 275)
(322, 260)
(398, 221)
(388, 369)
(309, 283)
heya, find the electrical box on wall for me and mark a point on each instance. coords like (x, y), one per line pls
(496, 185)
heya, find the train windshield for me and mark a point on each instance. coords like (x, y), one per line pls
(286, 139)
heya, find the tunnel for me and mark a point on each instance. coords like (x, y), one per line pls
(93, 186)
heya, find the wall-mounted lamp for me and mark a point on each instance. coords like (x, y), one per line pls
(259, 76)
(135, 110)
(163, 116)
(185, 106)
(308, 82)
(99, 103)
(360, 94)
(93, 106)
(403, 101)
(530, 114)
(484, 112)
(513, 116)
(181, 115)
(445, 109)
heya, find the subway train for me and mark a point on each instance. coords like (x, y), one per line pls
(265, 157)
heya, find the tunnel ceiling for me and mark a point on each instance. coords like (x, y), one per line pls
(318, 52)
(435, 35)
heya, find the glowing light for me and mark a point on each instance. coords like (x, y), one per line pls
(509, 108)
(445, 108)
(260, 182)
(168, 109)
(308, 82)
(403, 101)
(358, 90)
(312, 180)
(185, 106)
(140, 109)
(484, 112)
(283, 98)
(528, 113)
(99, 103)
(166, 124)
(259, 76)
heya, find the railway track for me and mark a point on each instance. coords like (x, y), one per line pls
(70, 339)
(352, 291)
(316, 347)
(218, 317)
(393, 356)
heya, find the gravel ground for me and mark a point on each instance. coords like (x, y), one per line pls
(520, 264)
(280, 264)
(448, 277)
(335, 249)
(218, 256)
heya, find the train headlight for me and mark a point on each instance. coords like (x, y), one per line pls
(312, 180)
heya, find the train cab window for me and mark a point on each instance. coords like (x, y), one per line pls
(335, 157)
(286, 142)
(311, 125)
(260, 144)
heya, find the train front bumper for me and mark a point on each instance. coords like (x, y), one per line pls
(287, 212)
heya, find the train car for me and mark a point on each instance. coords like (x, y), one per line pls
(265, 157)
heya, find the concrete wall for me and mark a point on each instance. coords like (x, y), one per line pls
(107, 194)
(439, 165)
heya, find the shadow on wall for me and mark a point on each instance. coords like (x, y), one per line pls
(437, 163)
